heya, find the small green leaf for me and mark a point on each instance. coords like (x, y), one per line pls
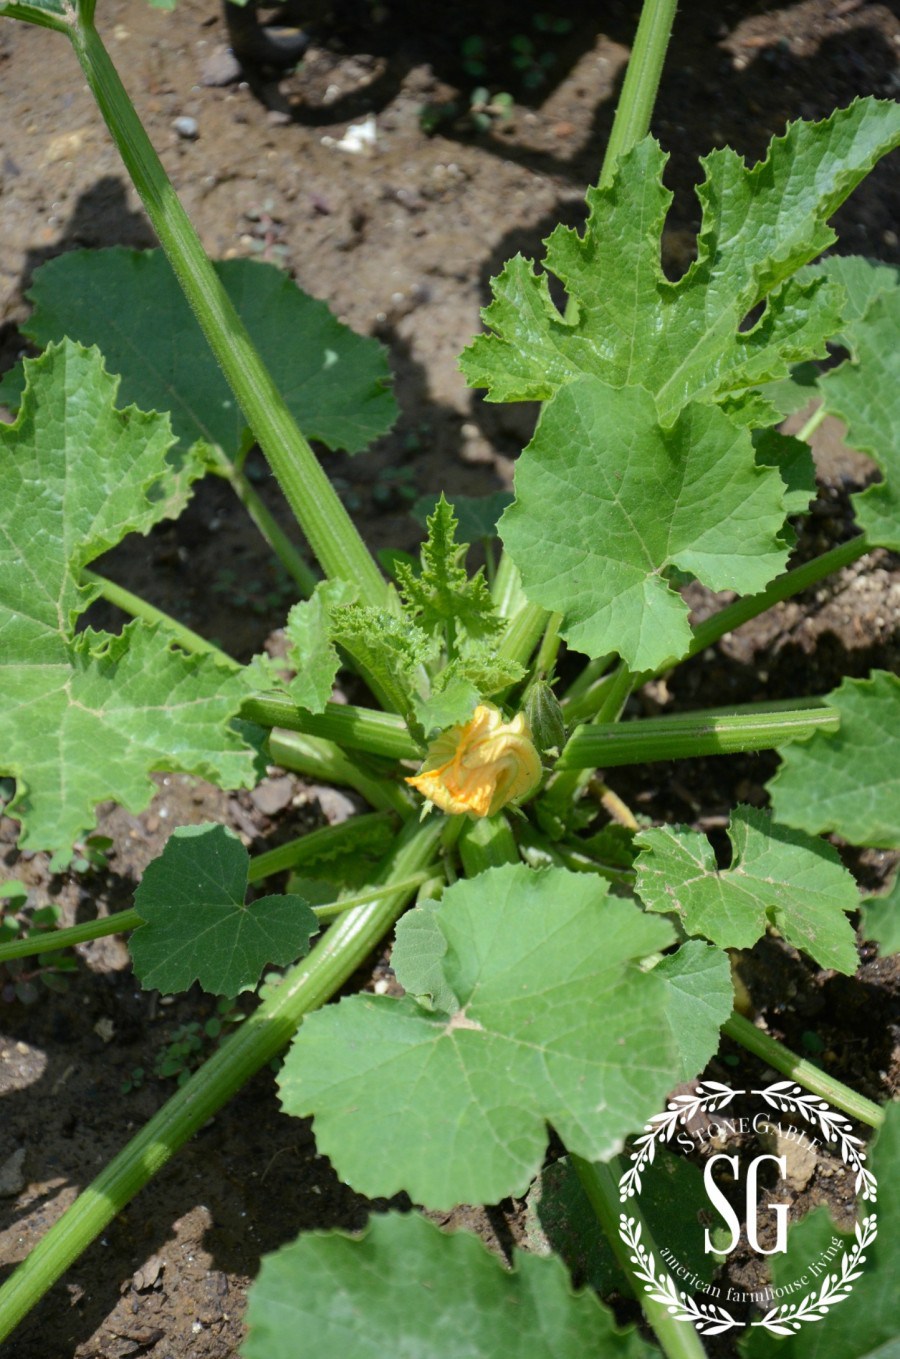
(607, 500)
(418, 956)
(864, 1326)
(848, 781)
(628, 325)
(881, 918)
(387, 648)
(778, 877)
(129, 304)
(197, 927)
(450, 702)
(310, 649)
(442, 594)
(407, 1289)
(555, 1023)
(701, 999)
(70, 700)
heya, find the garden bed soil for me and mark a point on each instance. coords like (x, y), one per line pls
(401, 243)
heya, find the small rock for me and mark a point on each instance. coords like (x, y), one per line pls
(188, 128)
(336, 807)
(221, 67)
(273, 795)
(148, 1276)
(799, 1154)
(11, 1176)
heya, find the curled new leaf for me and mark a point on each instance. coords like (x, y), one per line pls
(480, 766)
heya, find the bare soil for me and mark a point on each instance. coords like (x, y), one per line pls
(402, 243)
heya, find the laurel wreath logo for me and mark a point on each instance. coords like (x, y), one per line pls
(710, 1318)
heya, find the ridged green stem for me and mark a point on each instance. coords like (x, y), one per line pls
(674, 738)
(269, 527)
(639, 88)
(138, 607)
(600, 1183)
(805, 1073)
(322, 760)
(791, 583)
(318, 510)
(264, 1033)
(357, 728)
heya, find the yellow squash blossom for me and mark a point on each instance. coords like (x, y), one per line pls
(481, 765)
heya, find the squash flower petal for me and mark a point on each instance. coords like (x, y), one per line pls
(481, 765)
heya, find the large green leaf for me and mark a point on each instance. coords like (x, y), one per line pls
(627, 324)
(848, 781)
(130, 305)
(408, 1290)
(554, 1022)
(864, 392)
(607, 500)
(777, 877)
(197, 925)
(865, 1324)
(87, 717)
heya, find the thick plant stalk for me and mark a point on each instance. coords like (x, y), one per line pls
(784, 587)
(356, 728)
(678, 1339)
(263, 1034)
(673, 738)
(318, 510)
(803, 1072)
(639, 88)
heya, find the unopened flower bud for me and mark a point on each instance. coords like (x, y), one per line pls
(545, 717)
(481, 765)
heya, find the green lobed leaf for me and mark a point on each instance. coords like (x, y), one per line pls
(442, 595)
(848, 781)
(864, 1324)
(627, 324)
(777, 877)
(129, 304)
(555, 1023)
(864, 392)
(863, 280)
(409, 1290)
(607, 500)
(881, 918)
(76, 475)
(197, 926)
(310, 648)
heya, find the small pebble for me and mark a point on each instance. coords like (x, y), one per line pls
(186, 127)
(221, 67)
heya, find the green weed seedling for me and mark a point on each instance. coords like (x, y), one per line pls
(558, 972)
